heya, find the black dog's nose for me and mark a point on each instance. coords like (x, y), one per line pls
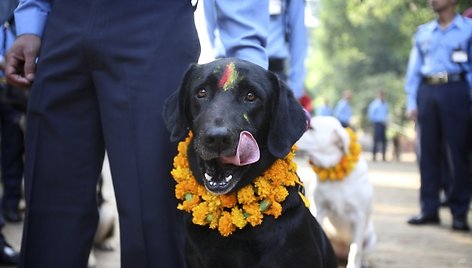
(217, 138)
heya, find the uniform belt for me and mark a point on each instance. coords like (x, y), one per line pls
(277, 64)
(443, 78)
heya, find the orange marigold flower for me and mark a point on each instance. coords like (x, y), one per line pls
(275, 210)
(225, 224)
(228, 201)
(246, 195)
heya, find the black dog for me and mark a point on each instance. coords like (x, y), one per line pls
(228, 104)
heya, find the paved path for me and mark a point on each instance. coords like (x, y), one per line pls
(399, 245)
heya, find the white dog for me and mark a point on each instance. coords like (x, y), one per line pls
(343, 193)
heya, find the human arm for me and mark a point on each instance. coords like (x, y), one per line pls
(298, 46)
(31, 15)
(370, 111)
(30, 18)
(243, 26)
(412, 81)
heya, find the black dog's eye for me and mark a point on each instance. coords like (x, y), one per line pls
(250, 96)
(202, 93)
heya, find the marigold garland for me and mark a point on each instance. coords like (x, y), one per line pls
(234, 211)
(345, 165)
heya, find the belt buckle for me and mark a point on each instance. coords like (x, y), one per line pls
(440, 78)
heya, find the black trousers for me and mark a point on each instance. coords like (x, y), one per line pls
(12, 150)
(379, 139)
(104, 70)
(443, 114)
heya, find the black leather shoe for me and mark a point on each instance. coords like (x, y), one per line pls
(8, 256)
(423, 219)
(460, 224)
(12, 215)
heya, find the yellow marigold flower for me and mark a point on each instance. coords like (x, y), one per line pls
(279, 193)
(263, 187)
(323, 174)
(228, 212)
(237, 217)
(225, 225)
(246, 195)
(255, 215)
(199, 214)
(213, 219)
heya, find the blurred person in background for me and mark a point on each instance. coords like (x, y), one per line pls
(343, 109)
(324, 109)
(377, 112)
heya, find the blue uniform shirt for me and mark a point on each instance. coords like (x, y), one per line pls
(343, 111)
(324, 110)
(378, 111)
(432, 53)
(9, 38)
(243, 26)
(277, 46)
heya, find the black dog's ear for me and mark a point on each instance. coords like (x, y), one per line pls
(289, 120)
(174, 113)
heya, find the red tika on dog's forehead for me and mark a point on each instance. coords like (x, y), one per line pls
(229, 77)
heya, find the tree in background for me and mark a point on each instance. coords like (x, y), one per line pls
(363, 45)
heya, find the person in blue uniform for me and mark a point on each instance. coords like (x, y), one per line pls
(99, 73)
(343, 110)
(324, 109)
(438, 84)
(377, 112)
(287, 42)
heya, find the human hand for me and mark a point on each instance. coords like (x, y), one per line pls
(20, 65)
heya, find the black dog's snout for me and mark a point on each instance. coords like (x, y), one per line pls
(217, 138)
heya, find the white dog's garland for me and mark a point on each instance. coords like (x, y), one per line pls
(344, 167)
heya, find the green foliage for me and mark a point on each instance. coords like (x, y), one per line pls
(364, 45)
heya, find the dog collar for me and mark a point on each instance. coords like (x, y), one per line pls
(345, 166)
(230, 212)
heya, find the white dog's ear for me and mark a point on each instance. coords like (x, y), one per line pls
(342, 138)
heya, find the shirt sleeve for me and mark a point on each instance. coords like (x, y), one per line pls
(243, 26)
(370, 111)
(298, 45)
(31, 15)
(210, 19)
(338, 109)
(413, 77)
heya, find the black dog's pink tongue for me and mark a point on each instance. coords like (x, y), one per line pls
(246, 153)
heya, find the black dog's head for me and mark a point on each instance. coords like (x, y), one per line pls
(242, 118)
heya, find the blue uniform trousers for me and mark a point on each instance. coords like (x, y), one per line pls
(380, 139)
(12, 153)
(443, 114)
(104, 71)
